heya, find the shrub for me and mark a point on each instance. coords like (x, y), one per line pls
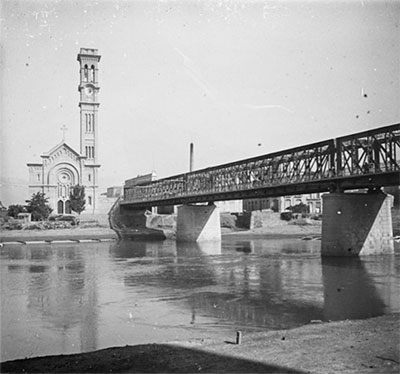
(299, 208)
(14, 210)
(286, 216)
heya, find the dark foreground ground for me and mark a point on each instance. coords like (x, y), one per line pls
(360, 346)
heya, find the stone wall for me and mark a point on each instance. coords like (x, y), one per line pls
(259, 218)
(103, 206)
(265, 218)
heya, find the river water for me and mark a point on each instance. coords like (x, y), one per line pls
(71, 298)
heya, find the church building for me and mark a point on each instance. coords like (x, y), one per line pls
(63, 167)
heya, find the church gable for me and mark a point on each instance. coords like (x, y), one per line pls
(61, 153)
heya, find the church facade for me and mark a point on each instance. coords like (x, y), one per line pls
(63, 167)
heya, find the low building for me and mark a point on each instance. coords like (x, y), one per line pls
(279, 204)
(114, 191)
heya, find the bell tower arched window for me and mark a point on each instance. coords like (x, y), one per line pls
(85, 73)
(92, 74)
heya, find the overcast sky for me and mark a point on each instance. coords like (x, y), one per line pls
(236, 78)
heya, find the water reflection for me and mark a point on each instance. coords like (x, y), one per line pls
(281, 292)
(82, 297)
(37, 268)
(136, 249)
(39, 252)
(17, 252)
(198, 249)
(383, 270)
(349, 289)
(60, 294)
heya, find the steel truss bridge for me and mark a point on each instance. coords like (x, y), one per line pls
(368, 159)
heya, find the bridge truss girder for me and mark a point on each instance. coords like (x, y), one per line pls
(369, 159)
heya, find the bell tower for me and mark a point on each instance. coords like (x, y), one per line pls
(88, 87)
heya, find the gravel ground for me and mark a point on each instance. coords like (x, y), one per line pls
(357, 346)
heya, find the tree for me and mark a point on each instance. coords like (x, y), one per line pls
(14, 210)
(38, 206)
(299, 208)
(77, 199)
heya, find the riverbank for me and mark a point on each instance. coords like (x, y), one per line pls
(357, 346)
(104, 233)
(73, 234)
(273, 228)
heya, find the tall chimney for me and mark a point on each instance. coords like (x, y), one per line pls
(191, 157)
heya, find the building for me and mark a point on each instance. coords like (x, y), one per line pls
(63, 167)
(114, 191)
(279, 204)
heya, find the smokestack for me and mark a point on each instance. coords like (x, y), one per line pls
(191, 157)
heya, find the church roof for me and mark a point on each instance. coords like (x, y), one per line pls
(60, 145)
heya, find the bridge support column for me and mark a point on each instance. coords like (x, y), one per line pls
(196, 223)
(356, 224)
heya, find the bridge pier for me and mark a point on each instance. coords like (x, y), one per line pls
(197, 223)
(356, 224)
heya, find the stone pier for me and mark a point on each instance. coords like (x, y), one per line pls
(196, 223)
(356, 224)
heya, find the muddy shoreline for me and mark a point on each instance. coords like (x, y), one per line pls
(352, 346)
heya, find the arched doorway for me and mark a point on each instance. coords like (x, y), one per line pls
(67, 207)
(60, 207)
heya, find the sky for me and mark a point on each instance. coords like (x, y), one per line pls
(237, 78)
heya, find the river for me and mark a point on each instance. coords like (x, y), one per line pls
(71, 298)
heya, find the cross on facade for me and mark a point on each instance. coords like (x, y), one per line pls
(64, 129)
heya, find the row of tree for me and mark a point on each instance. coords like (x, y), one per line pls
(38, 204)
